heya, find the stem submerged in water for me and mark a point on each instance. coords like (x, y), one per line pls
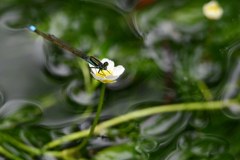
(96, 117)
(213, 105)
(89, 131)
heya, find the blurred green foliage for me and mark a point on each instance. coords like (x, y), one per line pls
(171, 54)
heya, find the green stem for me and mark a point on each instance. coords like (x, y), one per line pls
(205, 90)
(142, 113)
(48, 101)
(19, 144)
(99, 109)
(67, 138)
(8, 154)
(162, 109)
(86, 76)
(31, 150)
(96, 117)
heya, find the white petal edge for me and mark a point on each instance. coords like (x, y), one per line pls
(118, 70)
(212, 14)
(110, 63)
(97, 77)
(112, 77)
(94, 70)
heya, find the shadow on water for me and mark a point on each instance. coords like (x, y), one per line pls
(171, 53)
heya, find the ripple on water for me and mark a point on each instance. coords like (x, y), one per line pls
(194, 145)
(76, 94)
(10, 17)
(16, 112)
(148, 144)
(164, 127)
(35, 136)
(231, 90)
(199, 121)
(60, 69)
(15, 151)
(123, 151)
(1, 97)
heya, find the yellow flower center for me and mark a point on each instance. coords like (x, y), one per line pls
(107, 81)
(104, 73)
(214, 8)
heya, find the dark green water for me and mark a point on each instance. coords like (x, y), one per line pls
(172, 54)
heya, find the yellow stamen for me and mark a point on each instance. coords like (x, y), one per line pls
(107, 81)
(213, 8)
(104, 73)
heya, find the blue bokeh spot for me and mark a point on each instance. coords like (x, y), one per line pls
(32, 28)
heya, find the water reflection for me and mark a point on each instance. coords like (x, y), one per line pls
(75, 93)
(56, 61)
(58, 69)
(199, 121)
(2, 96)
(231, 90)
(124, 151)
(165, 126)
(9, 18)
(163, 30)
(170, 61)
(35, 135)
(123, 82)
(193, 145)
(18, 112)
(148, 144)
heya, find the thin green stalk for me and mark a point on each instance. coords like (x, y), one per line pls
(4, 152)
(142, 113)
(99, 109)
(20, 145)
(162, 109)
(67, 138)
(205, 90)
(96, 117)
(86, 76)
(94, 85)
(52, 153)
(48, 101)
(29, 149)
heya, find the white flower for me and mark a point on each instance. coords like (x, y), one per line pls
(107, 76)
(212, 10)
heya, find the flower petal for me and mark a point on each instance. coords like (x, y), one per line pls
(118, 70)
(94, 70)
(97, 77)
(212, 10)
(107, 81)
(109, 75)
(110, 63)
(112, 77)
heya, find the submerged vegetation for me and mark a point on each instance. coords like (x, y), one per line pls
(178, 97)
